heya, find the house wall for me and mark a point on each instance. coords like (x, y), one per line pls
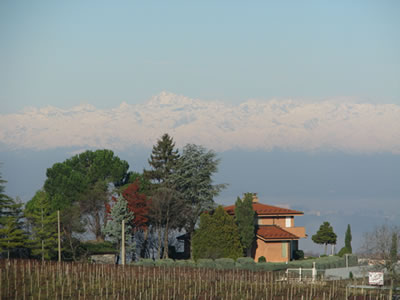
(297, 231)
(272, 251)
(280, 221)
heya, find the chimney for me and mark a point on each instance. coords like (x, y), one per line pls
(255, 198)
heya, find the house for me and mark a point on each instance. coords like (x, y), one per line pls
(277, 237)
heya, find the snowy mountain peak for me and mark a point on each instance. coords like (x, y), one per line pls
(167, 99)
(254, 124)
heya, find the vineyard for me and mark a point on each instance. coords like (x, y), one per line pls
(29, 279)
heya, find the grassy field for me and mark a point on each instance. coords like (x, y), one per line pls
(30, 279)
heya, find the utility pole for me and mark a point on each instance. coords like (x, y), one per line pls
(59, 236)
(123, 243)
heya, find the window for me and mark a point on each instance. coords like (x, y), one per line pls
(284, 249)
(288, 222)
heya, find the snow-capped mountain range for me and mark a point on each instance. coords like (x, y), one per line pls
(262, 125)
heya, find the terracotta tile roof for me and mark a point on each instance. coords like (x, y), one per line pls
(273, 232)
(264, 209)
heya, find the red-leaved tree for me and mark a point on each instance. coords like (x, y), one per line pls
(139, 204)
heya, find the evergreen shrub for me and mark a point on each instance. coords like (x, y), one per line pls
(190, 263)
(217, 236)
(344, 251)
(245, 260)
(262, 259)
(167, 262)
(225, 263)
(146, 262)
(298, 254)
(245, 263)
(205, 263)
(99, 248)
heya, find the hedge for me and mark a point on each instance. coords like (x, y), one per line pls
(247, 263)
(225, 263)
(167, 262)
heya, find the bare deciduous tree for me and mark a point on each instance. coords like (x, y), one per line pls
(378, 245)
(167, 211)
(378, 242)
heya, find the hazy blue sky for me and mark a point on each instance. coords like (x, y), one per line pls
(64, 53)
(333, 152)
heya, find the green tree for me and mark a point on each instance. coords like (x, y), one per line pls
(113, 228)
(193, 179)
(43, 223)
(163, 160)
(92, 208)
(325, 236)
(347, 243)
(6, 202)
(217, 236)
(85, 179)
(244, 216)
(12, 235)
(347, 239)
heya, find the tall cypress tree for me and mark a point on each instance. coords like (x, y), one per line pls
(163, 160)
(244, 216)
(347, 239)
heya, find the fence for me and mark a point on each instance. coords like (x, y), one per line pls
(302, 274)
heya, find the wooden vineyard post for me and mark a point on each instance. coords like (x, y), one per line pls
(123, 243)
(59, 236)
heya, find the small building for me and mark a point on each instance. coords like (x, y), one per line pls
(277, 237)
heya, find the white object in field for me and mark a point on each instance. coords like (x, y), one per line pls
(375, 278)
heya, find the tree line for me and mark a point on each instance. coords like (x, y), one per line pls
(94, 191)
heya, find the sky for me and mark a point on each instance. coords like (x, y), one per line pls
(300, 99)
(65, 53)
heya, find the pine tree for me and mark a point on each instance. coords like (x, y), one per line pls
(163, 160)
(6, 202)
(113, 228)
(217, 236)
(244, 216)
(12, 233)
(43, 222)
(325, 235)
